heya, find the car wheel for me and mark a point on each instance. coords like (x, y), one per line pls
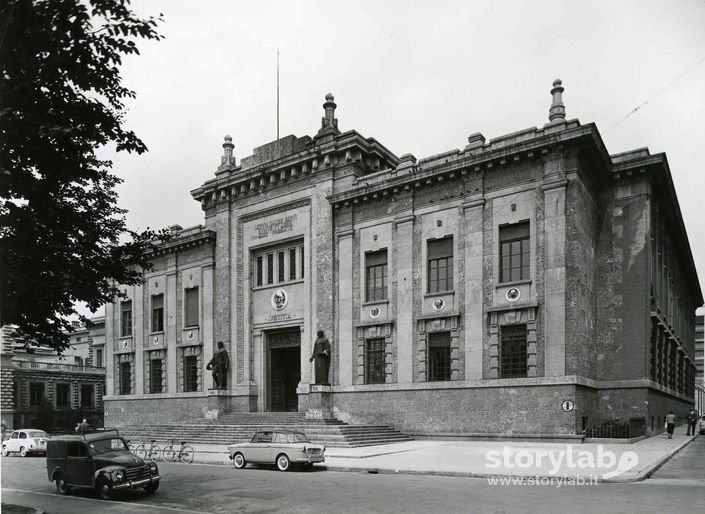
(61, 486)
(283, 463)
(239, 461)
(23, 451)
(152, 488)
(4, 450)
(104, 489)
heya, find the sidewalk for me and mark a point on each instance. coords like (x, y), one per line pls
(599, 462)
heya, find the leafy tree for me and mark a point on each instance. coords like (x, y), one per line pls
(63, 238)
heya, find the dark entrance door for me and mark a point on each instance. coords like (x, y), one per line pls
(284, 370)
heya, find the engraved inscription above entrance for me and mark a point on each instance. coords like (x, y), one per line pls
(276, 226)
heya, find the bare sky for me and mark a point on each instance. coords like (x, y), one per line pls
(418, 76)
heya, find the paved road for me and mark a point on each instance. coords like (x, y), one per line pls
(679, 486)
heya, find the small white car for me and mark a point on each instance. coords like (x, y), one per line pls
(26, 441)
(285, 448)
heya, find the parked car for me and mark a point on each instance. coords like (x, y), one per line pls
(26, 441)
(281, 447)
(98, 460)
(702, 425)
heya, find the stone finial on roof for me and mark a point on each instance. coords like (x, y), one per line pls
(329, 123)
(556, 114)
(228, 148)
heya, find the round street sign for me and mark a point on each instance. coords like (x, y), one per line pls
(567, 405)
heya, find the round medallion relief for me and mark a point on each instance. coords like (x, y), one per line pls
(512, 294)
(280, 299)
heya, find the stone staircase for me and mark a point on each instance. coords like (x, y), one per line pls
(239, 427)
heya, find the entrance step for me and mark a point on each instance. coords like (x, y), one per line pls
(336, 435)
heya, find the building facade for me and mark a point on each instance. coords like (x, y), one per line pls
(44, 390)
(532, 284)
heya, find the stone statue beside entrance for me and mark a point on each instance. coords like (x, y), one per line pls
(220, 364)
(321, 354)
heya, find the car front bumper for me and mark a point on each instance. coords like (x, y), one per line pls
(133, 484)
(311, 459)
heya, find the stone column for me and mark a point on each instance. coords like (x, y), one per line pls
(345, 308)
(139, 336)
(207, 333)
(473, 288)
(405, 299)
(555, 276)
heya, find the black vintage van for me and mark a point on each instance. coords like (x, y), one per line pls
(98, 460)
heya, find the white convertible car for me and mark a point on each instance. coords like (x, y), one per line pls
(26, 441)
(281, 447)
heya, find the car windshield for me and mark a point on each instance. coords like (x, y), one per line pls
(106, 445)
(38, 433)
(290, 438)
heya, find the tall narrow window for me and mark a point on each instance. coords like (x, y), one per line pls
(63, 396)
(191, 307)
(190, 374)
(99, 357)
(514, 252)
(125, 378)
(438, 356)
(87, 395)
(155, 376)
(259, 270)
(292, 264)
(158, 313)
(126, 318)
(374, 361)
(440, 265)
(513, 352)
(280, 267)
(36, 393)
(376, 270)
(301, 260)
(270, 268)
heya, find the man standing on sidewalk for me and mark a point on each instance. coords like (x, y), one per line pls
(692, 421)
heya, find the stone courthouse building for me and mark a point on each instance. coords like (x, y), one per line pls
(530, 284)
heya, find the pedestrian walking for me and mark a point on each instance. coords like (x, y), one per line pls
(670, 423)
(692, 421)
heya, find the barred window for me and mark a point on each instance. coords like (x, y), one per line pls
(191, 307)
(374, 361)
(158, 313)
(280, 267)
(514, 252)
(513, 352)
(440, 265)
(292, 263)
(125, 378)
(270, 268)
(190, 374)
(36, 393)
(155, 376)
(376, 271)
(260, 270)
(87, 395)
(126, 318)
(63, 395)
(438, 356)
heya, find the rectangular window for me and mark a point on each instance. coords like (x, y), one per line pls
(280, 267)
(440, 265)
(376, 271)
(158, 313)
(301, 260)
(126, 318)
(374, 361)
(292, 264)
(260, 270)
(514, 252)
(36, 393)
(190, 374)
(191, 307)
(155, 376)
(99, 357)
(438, 356)
(63, 395)
(87, 395)
(270, 268)
(513, 352)
(125, 378)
